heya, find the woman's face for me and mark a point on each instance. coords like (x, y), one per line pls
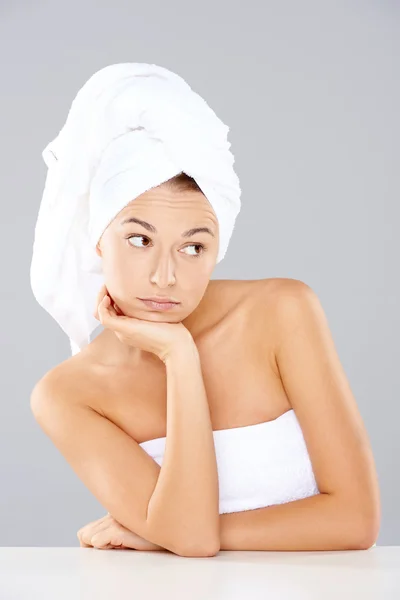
(163, 258)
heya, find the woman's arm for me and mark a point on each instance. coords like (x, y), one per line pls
(175, 506)
(346, 514)
(320, 522)
(185, 502)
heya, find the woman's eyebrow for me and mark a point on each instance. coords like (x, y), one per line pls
(151, 227)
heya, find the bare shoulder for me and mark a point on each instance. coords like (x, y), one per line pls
(79, 379)
(282, 294)
(278, 288)
(272, 288)
(283, 301)
(269, 301)
(261, 305)
(263, 299)
(270, 293)
(73, 380)
(296, 315)
(230, 293)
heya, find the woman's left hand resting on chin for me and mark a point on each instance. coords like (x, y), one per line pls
(106, 534)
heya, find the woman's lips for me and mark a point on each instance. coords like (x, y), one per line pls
(159, 305)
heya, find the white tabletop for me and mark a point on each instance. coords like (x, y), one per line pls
(81, 573)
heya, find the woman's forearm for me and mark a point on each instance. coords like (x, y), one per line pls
(184, 506)
(320, 522)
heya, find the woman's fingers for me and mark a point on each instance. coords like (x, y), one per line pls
(104, 311)
(107, 314)
(101, 539)
(99, 298)
(86, 533)
(106, 538)
(113, 306)
(104, 301)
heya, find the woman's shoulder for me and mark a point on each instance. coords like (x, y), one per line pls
(272, 289)
(248, 305)
(273, 298)
(73, 380)
(78, 376)
(270, 283)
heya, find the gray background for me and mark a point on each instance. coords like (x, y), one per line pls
(311, 93)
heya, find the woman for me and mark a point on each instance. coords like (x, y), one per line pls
(266, 447)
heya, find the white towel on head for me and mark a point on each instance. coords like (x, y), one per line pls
(131, 127)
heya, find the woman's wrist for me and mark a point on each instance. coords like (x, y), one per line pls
(183, 349)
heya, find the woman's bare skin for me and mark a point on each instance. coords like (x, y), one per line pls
(241, 330)
(234, 334)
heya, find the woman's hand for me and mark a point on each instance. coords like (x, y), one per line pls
(158, 338)
(107, 533)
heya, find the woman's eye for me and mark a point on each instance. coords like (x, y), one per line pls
(198, 245)
(137, 236)
(195, 254)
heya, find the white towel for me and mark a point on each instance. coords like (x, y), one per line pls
(131, 127)
(258, 465)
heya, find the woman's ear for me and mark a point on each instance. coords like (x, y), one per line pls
(98, 251)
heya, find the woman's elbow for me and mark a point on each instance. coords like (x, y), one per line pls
(368, 533)
(195, 551)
